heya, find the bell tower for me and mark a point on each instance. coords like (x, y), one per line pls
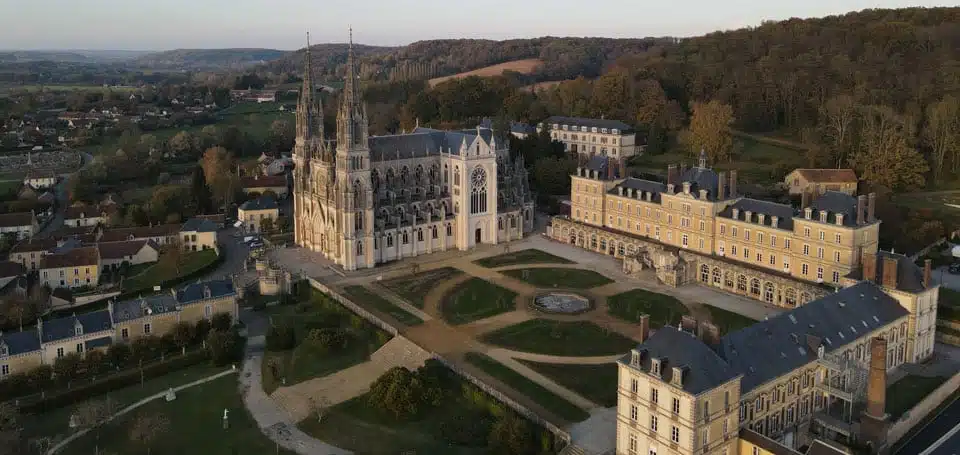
(308, 147)
(353, 172)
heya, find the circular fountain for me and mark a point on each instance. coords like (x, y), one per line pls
(561, 303)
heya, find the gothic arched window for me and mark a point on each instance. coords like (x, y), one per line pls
(390, 178)
(358, 222)
(434, 174)
(404, 175)
(418, 175)
(456, 175)
(446, 174)
(358, 194)
(478, 191)
(359, 248)
(375, 181)
(449, 229)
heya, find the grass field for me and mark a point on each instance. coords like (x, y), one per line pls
(415, 287)
(194, 425)
(163, 270)
(521, 66)
(592, 382)
(64, 87)
(536, 392)
(907, 392)
(9, 187)
(561, 338)
(362, 295)
(476, 299)
(531, 256)
(728, 321)
(550, 277)
(663, 309)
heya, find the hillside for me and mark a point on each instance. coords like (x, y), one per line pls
(526, 66)
(206, 58)
(327, 58)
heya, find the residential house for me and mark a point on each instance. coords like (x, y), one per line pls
(21, 224)
(161, 234)
(133, 252)
(29, 252)
(254, 96)
(819, 181)
(40, 179)
(198, 234)
(19, 352)
(254, 213)
(84, 216)
(74, 334)
(158, 314)
(74, 268)
(589, 137)
(260, 184)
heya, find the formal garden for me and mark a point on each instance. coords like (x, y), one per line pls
(556, 277)
(560, 338)
(414, 288)
(476, 299)
(663, 309)
(597, 383)
(362, 295)
(531, 256)
(314, 337)
(430, 410)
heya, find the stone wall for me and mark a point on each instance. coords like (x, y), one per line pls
(948, 338)
(920, 411)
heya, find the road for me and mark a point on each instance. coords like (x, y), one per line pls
(931, 434)
(236, 254)
(61, 191)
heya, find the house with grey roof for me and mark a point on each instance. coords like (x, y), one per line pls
(19, 351)
(588, 137)
(198, 234)
(74, 334)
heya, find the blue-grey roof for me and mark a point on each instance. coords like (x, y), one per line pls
(101, 342)
(197, 291)
(600, 163)
(423, 142)
(589, 123)
(137, 308)
(836, 202)
(515, 127)
(675, 348)
(260, 203)
(199, 225)
(702, 178)
(63, 328)
(909, 275)
(776, 346)
(642, 185)
(785, 213)
(21, 342)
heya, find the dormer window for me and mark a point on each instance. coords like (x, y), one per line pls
(823, 216)
(206, 292)
(4, 350)
(655, 367)
(839, 218)
(616, 131)
(807, 213)
(736, 214)
(635, 359)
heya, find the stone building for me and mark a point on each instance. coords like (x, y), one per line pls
(819, 181)
(696, 227)
(589, 137)
(365, 200)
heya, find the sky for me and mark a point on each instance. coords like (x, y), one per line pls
(282, 24)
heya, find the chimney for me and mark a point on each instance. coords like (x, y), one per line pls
(721, 185)
(688, 324)
(623, 167)
(927, 269)
(644, 327)
(804, 199)
(672, 174)
(861, 208)
(871, 207)
(870, 267)
(877, 380)
(611, 171)
(709, 334)
(890, 272)
(733, 183)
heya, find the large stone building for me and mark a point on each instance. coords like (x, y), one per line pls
(696, 227)
(588, 137)
(368, 200)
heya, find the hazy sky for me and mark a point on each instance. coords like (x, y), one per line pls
(169, 24)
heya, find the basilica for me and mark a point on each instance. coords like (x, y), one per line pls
(365, 200)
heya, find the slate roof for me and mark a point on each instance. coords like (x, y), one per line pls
(836, 202)
(589, 123)
(76, 257)
(120, 250)
(21, 342)
(260, 203)
(423, 142)
(706, 369)
(139, 232)
(34, 244)
(198, 225)
(642, 185)
(701, 178)
(101, 342)
(63, 328)
(264, 181)
(600, 163)
(828, 175)
(10, 268)
(16, 219)
(778, 345)
(76, 212)
(784, 212)
(195, 292)
(909, 275)
(137, 308)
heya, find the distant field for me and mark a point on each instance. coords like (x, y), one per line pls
(521, 66)
(56, 87)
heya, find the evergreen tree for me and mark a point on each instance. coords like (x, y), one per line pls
(200, 191)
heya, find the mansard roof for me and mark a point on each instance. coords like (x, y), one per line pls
(423, 142)
(783, 212)
(836, 202)
(676, 348)
(589, 123)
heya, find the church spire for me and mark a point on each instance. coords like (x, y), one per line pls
(309, 113)
(352, 118)
(703, 158)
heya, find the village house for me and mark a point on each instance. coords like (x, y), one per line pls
(260, 184)
(198, 234)
(132, 252)
(161, 234)
(157, 315)
(819, 181)
(74, 334)
(40, 179)
(254, 213)
(19, 352)
(29, 252)
(84, 216)
(23, 224)
(73, 268)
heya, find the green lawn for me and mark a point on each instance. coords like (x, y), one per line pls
(476, 299)
(53, 423)
(562, 338)
(536, 392)
(415, 287)
(597, 383)
(164, 270)
(728, 321)
(364, 296)
(907, 392)
(531, 256)
(10, 187)
(194, 426)
(663, 309)
(306, 362)
(551, 277)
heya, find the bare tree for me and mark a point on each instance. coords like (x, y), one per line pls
(942, 133)
(838, 115)
(173, 255)
(91, 415)
(147, 428)
(9, 429)
(319, 407)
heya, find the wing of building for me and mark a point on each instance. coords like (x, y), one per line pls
(366, 200)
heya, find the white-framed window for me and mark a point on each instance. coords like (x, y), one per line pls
(676, 405)
(786, 243)
(124, 333)
(836, 277)
(806, 250)
(653, 422)
(819, 273)
(820, 252)
(59, 352)
(4, 370)
(80, 348)
(804, 269)
(634, 412)
(684, 240)
(822, 236)
(632, 443)
(634, 385)
(836, 256)
(654, 395)
(147, 328)
(675, 434)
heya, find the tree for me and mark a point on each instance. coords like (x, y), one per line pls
(92, 414)
(9, 429)
(67, 368)
(266, 225)
(223, 346)
(221, 322)
(183, 144)
(217, 163)
(942, 134)
(200, 191)
(281, 135)
(837, 117)
(183, 335)
(399, 393)
(511, 435)
(173, 256)
(319, 407)
(147, 428)
(885, 156)
(710, 131)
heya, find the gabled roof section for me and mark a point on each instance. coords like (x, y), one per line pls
(828, 175)
(909, 275)
(264, 181)
(128, 310)
(783, 212)
(21, 342)
(205, 290)
(836, 202)
(63, 328)
(198, 225)
(120, 250)
(649, 186)
(600, 163)
(424, 142)
(10, 268)
(260, 203)
(16, 219)
(34, 244)
(77, 257)
(675, 348)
